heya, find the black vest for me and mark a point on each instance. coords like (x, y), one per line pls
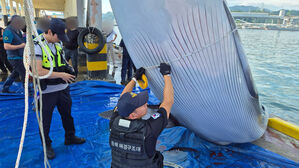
(126, 140)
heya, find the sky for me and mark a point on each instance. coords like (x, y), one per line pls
(270, 4)
(106, 6)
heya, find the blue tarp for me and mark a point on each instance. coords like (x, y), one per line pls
(89, 99)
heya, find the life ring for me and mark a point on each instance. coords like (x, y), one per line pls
(95, 31)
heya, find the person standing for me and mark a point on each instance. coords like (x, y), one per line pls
(14, 45)
(111, 37)
(55, 89)
(71, 47)
(132, 139)
(4, 64)
(127, 64)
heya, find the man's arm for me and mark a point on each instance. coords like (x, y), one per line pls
(9, 46)
(8, 38)
(168, 93)
(114, 37)
(130, 86)
(42, 71)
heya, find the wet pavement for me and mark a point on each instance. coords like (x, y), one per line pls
(116, 78)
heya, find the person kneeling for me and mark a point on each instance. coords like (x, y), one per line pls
(132, 139)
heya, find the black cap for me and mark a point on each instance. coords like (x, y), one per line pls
(128, 102)
(58, 27)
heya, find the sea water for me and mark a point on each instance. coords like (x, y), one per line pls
(274, 61)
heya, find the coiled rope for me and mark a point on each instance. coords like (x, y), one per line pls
(170, 164)
(28, 54)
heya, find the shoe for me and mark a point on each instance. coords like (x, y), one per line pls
(50, 152)
(73, 140)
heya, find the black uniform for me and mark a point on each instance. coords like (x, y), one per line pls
(133, 142)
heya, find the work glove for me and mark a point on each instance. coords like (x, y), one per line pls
(139, 73)
(165, 69)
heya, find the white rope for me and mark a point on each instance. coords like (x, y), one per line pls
(25, 118)
(31, 24)
(36, 77)
(194, 52)
(28, 53)
(170, 164)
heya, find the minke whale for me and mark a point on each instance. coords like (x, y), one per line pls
(215, 95)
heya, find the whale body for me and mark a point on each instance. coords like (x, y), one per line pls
(215, 95)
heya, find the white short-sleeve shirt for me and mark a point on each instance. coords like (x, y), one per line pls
(111, 36)
(39, 53)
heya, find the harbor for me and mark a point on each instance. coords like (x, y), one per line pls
(234, 72)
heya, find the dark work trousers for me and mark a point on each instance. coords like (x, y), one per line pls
(127, 66)
(18, 70)
(63, 101)
(4, 64)
(73, 55)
